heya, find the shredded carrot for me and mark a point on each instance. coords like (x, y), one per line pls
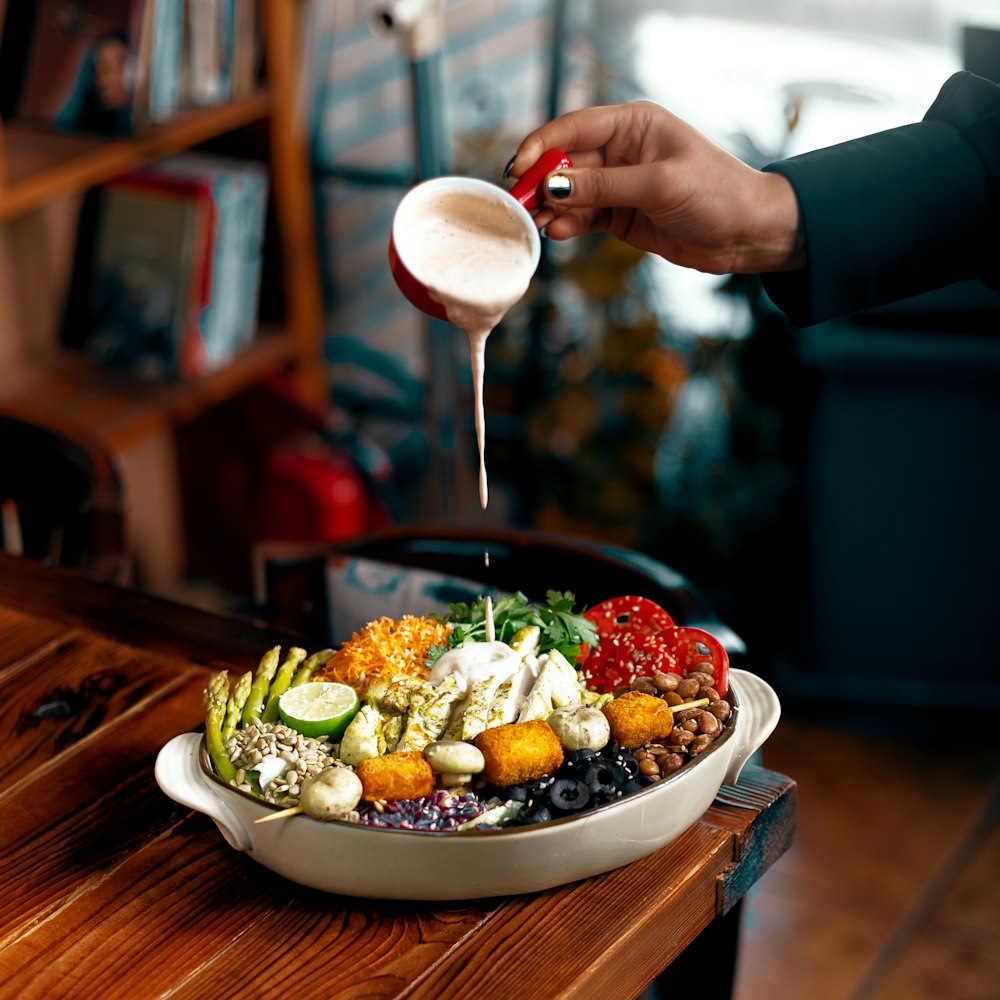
(383, 648)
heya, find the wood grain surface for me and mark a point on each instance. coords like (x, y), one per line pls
(109, 888)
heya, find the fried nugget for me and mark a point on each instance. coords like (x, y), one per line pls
(405, 775)
(519, 751)
(637, 719)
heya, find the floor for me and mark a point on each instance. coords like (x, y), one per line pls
(891, 890)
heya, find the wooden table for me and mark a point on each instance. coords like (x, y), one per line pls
(109, 889)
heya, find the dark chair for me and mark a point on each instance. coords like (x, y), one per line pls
(292, 579)
(62, 498)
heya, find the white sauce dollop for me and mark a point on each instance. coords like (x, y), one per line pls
(476, 661)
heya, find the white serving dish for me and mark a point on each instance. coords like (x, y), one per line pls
(391, 864)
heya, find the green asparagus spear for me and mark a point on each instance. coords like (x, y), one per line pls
(234, 707)
(261, 685)
(282, 679)
(224, 767)
(315, 661)
(217, 683)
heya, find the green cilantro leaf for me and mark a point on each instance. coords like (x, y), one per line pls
(559, 626)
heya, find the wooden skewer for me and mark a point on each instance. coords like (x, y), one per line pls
(281, 814)
(700, 703)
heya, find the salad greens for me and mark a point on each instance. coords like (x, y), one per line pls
(560, 627)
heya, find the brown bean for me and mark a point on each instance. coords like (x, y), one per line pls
(688, 687)
(649, 767)
(691, 725)
(681, 736)
(702, 677)
(672, 762)
(720, 709)
(673, 698)
(709, 724)
(666, 681)
(709, 692)
(699, 744)
(644, 684)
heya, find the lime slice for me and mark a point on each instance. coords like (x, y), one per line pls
(319, 708)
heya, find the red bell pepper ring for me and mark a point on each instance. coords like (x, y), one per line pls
(620, 622)
(625, 616)
(631, 614)
(608, 666)
(693, 649)
(637, 638)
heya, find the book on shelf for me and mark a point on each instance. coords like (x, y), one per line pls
(143, 276)
(81, 62)
(164, 59)
(239, 191)
(221, 51)
(246, 48)
(113, 66)
(168, 266)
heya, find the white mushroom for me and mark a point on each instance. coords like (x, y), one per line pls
(454, 757)
(580, 727)
(331, 793)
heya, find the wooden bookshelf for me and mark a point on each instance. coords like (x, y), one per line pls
(40, 166)
(45, 173)
(124, 410)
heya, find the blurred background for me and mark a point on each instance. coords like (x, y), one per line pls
(832, 490)
(788, 472)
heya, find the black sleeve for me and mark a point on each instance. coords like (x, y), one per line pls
(900, 212)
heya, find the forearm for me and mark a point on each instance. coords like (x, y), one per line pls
(889, 216)
(774, 239)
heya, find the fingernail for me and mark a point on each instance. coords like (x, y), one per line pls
(544, 232)
(559, 186)
(510, 163)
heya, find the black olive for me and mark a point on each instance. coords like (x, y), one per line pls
(607, 773)
(569, 795)
(519, 793)
(540, 815)
(597, 773)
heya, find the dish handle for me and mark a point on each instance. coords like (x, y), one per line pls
(759, 712)
(178, 772)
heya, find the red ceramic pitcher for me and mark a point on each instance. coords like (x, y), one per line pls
(521, 200)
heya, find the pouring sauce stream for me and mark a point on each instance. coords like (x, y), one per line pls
(476, 259)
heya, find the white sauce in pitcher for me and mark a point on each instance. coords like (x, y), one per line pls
(475, 257)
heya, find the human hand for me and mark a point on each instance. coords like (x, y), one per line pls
(650, 179)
